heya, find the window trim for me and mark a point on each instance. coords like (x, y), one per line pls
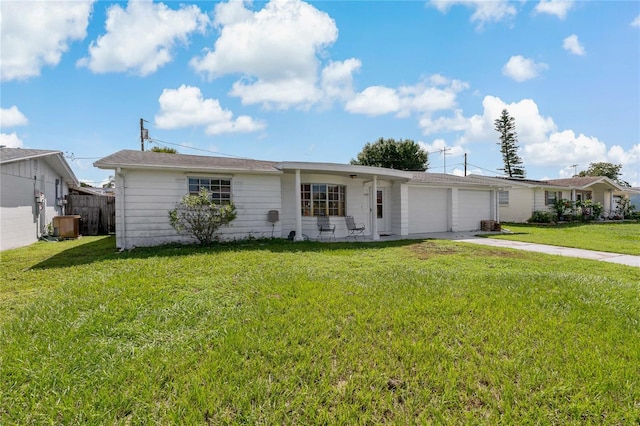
(557, 195)
(323, 199)
(501, 200)
(219, 191)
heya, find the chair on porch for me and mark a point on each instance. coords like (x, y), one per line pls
(354, 230)
(325, 226)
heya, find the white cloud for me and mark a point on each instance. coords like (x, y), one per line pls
(374, 100)
(540, 142)
(185, 107)
(35, 34)
(141, 37)
(12, 117)
(636, 22)
(561, 148)
(337, 79)
(275, 49)
(521, 69)
(572, 44)
(457, 123)
(10, 140)
(484, 11)
(435, 93)
(424, 98)
(558, 8)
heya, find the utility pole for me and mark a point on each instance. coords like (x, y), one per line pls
(465, 163)
(144, 134)
(444, 157)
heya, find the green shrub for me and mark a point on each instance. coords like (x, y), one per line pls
(540, 217)
(560, 206)
(198, 216)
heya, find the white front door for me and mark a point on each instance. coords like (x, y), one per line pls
(381, 211)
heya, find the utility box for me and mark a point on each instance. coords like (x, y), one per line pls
(67, 226)
(490, 225)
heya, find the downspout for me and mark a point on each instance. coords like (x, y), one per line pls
(298, 208)
(123, 222)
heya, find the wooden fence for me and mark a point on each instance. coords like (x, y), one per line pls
(98, 213)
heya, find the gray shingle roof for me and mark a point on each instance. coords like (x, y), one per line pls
(150, 159)
(9, 155)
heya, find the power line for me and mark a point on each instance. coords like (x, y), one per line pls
(190, 147)
(486, 170)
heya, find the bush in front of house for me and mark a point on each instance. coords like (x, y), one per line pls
(561, 206)
(590, 210)
(199, 216)
(540, 217)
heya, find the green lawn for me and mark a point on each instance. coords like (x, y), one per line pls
(610, 237)
(405, 332)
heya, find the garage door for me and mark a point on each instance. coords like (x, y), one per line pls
(474, 207)
(428, 210)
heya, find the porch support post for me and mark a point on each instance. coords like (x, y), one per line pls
(573, 201)
(297, 208)
(374, 210)
(611, 212)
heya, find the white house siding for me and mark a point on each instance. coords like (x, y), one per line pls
(519, 208)
(428, 211)
(400, 209)
(150, 195)
(474, 206)
(21, 223)
(357, 204)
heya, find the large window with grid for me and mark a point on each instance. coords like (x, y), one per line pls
(321, 199)
(219, 188)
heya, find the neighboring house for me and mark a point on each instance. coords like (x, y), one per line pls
(635, 197)
(34, 183)
(519, 198)
(386, 201)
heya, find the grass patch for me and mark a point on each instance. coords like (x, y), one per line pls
(405, 332)
(610, 237)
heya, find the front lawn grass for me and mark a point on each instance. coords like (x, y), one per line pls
(405, 332)
(621, 238)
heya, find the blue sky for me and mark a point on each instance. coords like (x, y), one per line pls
(315, 81)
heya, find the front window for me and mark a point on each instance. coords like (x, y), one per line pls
(550, 197)
(320, 199)
(503, 198)
(220, 189)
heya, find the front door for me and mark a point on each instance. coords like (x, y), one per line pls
(381, 211)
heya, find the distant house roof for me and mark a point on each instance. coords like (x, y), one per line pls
(55, 159)
(583, 182)
(570, 183)
(442, 178)
(159, 160)
(80, 190)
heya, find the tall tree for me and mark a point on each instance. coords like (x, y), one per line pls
(403, 154)
(513, 165)
(610, 170)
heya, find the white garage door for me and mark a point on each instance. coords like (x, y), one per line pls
(428, 210)
(474, 207)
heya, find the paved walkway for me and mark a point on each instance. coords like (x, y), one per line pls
(472, 237)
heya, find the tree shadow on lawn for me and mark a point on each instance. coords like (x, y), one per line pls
(104, 250)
